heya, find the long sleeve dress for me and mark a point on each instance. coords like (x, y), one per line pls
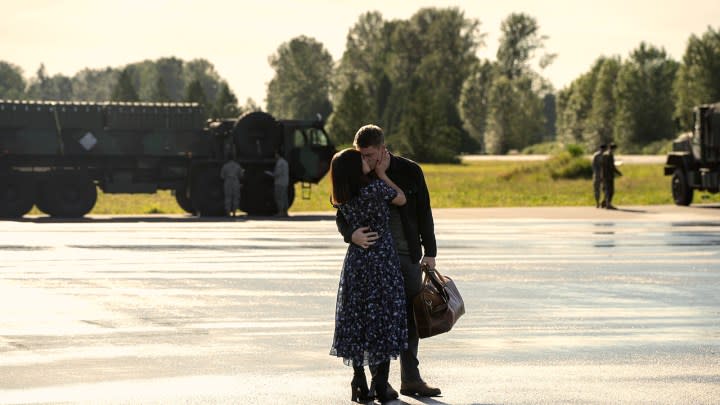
(370, 315)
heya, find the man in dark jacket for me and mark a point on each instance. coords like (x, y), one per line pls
(597, 165)
(413, 230)
(608, 174)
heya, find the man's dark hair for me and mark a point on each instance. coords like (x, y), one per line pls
(346, 176)
(369, 135)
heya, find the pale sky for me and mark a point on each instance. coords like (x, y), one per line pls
(239, 36)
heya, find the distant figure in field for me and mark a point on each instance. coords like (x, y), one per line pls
(608, 175)
(597, 159)
(231, 173)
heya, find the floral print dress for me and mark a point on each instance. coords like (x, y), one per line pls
(370, 315)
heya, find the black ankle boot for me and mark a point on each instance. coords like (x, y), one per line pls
(380, 383)
(359, 386)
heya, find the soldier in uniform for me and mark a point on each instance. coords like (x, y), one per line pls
(597, 158)
(281, 179)
(231, 173)
(608, 176)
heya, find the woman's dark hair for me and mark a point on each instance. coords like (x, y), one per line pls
(346, 176)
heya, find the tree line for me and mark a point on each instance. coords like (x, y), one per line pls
(162, 80)
(422, 81)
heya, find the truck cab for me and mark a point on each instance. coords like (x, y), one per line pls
(694, 162)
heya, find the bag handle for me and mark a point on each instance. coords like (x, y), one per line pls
(436, 278)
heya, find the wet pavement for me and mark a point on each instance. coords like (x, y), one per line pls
(600, 308)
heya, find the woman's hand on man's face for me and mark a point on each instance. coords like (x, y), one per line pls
(383, 162)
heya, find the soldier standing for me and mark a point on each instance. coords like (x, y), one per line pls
(597, 159)
(281, 179)
(231, 173)
(608, 176)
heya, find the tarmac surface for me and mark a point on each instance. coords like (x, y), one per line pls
(564, 305)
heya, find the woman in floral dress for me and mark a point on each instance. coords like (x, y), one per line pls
(370, 317)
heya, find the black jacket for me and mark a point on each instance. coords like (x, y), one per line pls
(416, 214)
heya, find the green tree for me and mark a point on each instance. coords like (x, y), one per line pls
(94, 84)
(602, 112)
(549, 101)
(250, 106)
(423, 133)
(160, 91)
(352, 112)
(203, 71)
(500, 107)
(44, 87)
(519, 40)
(433, 53)
(195, 93)
(12, 83)
(124, 89)
(698, 79)
(172, 73)
(574, 104)
(226, 104)
(515, 118)
(644, 98)
(301, 85)
(175, 74)
(363, 64)
(517, 87)
(473, 104)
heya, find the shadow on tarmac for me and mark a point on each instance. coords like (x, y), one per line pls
(170, 219)
(428, 401)
(629, 210)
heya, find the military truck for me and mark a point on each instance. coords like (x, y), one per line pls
(56, 154)
(694, 162)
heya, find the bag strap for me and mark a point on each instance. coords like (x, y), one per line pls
(436, 278)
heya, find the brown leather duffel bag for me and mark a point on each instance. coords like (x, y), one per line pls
(438, 305)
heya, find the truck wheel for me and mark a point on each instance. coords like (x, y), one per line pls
(207, 195)
(67, 195)
(681, 191)
(184, 200)
(17, 195)
(291, 195)
(257, 196)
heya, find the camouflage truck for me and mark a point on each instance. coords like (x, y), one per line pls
(694, 162)
(55, 155)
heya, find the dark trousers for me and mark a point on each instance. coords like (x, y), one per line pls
(596, 189)
(412, 276)
(609, 188)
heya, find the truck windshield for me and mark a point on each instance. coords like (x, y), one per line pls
(310, 137)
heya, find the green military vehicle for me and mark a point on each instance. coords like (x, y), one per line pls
(55, 155)
(694, 162)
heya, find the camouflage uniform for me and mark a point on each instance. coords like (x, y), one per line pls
(597, 159)
(281, 176)
(608, 176)
(231, 173)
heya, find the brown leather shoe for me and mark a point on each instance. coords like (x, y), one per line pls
(419, 389)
